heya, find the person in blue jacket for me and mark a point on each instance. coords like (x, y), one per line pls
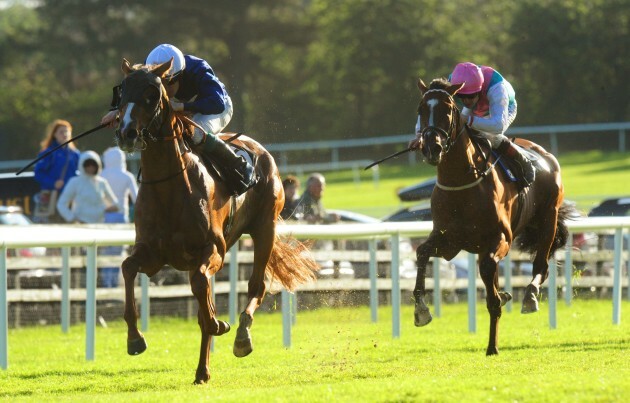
(193, 88)
(53, 172)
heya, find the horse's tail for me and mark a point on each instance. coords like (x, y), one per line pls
(527, 241)
(291, 263)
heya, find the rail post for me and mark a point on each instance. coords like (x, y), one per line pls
(90, 302)
(437, 292)
(568, 271)
(4, 310)
(373, 281)
(65, 289)
(552, 292)
(617, 277)
(472, 293)
(395, 245)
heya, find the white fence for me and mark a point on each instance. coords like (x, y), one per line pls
(91, 238)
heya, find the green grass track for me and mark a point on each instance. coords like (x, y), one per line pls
(338, 355)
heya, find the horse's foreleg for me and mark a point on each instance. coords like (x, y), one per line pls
(489, 270)
(547, 230)
(201, 288)
(263, 245)
(422, 315)
(135, 340)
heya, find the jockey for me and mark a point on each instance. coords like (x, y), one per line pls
(489, 106)
(193, 88)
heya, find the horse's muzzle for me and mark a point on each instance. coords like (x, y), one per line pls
(127, 139)
(432, 154)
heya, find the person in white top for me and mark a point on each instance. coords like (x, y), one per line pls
(122, 182)
(87, 197)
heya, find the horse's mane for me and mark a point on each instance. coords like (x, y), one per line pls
(439, 84)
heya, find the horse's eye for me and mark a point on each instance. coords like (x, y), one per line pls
(150, 100)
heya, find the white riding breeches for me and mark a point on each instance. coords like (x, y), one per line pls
(213, 124)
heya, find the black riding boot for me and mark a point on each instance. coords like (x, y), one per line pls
(238, 174)
(510, 150)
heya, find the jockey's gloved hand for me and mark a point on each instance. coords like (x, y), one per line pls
(466, 112)
(415, 143)
(177, 106)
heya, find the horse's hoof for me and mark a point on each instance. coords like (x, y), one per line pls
(505, 297)
(422, 317)
(223, 328)
(243, 341)
(202, 380)
(137, 346)
(530, 302)
(492, 351)
(242, 347)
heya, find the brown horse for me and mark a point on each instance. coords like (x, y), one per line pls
(187, 218)
(476, 209)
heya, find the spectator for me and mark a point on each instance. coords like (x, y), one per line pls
(310, 204)
(291, 185)
(53, 172)
(122, 182)
(88, 196)
(124, 186)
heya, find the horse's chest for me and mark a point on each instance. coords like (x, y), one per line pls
(462, 223)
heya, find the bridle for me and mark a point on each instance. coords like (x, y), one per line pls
(450, 141)
(157, 116)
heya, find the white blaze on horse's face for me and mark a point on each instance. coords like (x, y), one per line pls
(431, 103)
(127, 120)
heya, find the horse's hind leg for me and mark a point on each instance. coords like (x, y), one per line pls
(201, 288)
(264, 239)
(547, 231)
(489, 271)
(135, 340)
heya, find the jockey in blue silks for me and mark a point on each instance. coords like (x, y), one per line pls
(193, 88)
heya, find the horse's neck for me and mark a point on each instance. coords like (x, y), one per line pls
(162, 158)
(457, 165)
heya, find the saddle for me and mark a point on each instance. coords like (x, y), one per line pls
(508, 166)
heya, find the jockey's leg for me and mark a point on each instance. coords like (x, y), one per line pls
(511, 150)
(238, 173)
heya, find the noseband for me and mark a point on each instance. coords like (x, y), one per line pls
(450, 141)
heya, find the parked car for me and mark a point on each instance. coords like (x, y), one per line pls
(347, 217)
(30, 278)
(418, 191)
(420, 212)
(13, 215)
(614, 207)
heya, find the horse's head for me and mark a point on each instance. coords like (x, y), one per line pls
(143, 99)
(438, 118)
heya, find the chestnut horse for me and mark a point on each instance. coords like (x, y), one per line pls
(185, 217)
(476, 209)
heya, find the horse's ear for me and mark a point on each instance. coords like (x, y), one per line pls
(422, 86)
(163, 68)
(126, 67)
(453, 89)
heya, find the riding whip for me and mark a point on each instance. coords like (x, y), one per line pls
(99, 127)
(396, 154)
